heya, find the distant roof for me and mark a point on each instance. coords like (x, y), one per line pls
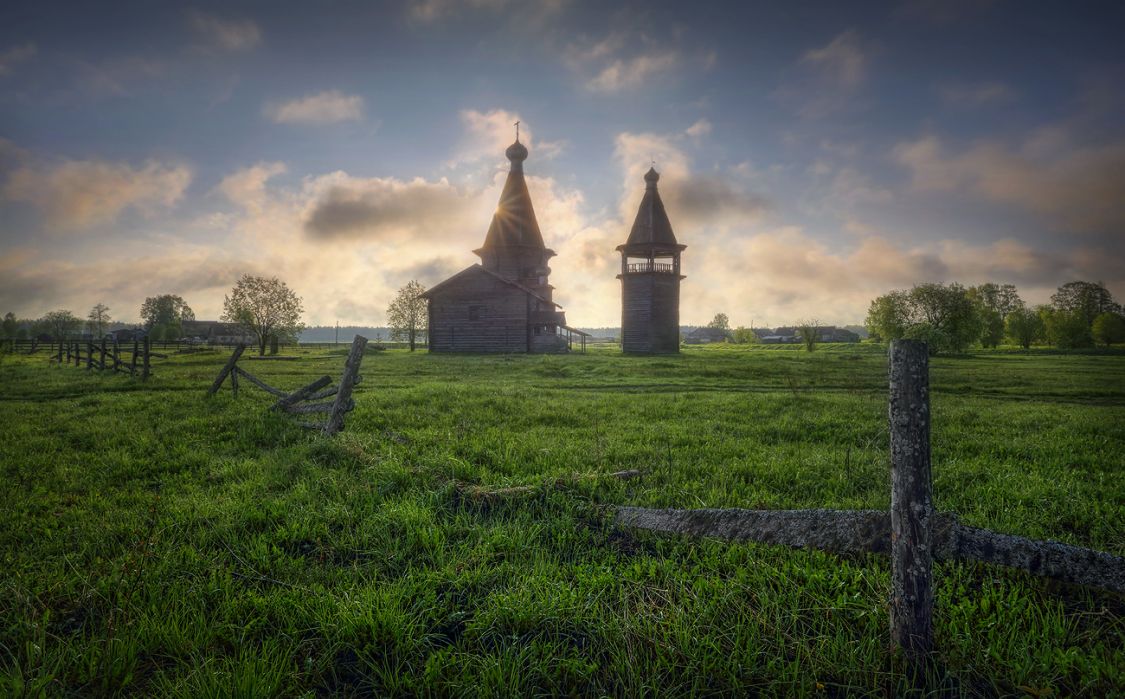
(514, 222)
(477, 269)
(651, 229)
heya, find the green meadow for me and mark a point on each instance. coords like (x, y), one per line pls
(154, 542)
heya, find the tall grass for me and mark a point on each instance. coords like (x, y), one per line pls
(157, 543)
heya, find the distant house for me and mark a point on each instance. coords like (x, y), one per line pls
(707, 336)
(214, 332)
(825, 333)
(125, 335)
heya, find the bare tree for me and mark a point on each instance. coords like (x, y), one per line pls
(61, 324)
(407, 313)
(809, 332)
(98, 320)
(266, 307)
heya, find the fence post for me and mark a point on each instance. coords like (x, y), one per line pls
(912, 499)
(147, 345)
(89, 354)
(101, 358)
(116, 353)
(133, 363)
(348, 381)
(228, 368)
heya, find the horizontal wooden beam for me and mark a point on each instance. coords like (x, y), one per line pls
(869, 531)
(259, 383)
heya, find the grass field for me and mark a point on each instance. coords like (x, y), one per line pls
(154, 542)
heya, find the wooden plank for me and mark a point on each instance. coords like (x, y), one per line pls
(218, 382)
(347, 382)
(257, 382)
(326, 393)
(147, 345)
(301, 394)
(1051, 559)
(912, 499)
(869, 531)
(318, 407)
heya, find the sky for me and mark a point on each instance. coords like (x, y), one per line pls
(813, 155)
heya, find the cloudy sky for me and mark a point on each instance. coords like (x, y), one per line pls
(813, 155)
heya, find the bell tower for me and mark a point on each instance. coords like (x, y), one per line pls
(650, 279)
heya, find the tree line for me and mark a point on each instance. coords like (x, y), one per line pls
(264, 307)
(952, 317)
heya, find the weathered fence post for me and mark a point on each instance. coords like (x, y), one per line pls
(147, 345)
(133, 363)
(101, 358)
(228, 368)
(116, 353)
(912, 499)
(348, 381)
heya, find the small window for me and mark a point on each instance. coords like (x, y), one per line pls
(474, 312)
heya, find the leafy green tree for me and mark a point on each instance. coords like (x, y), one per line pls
(994, 302)
(809, 332)
(98, 320)
(407, 315)
(720, 322)
(61, 324)
(163, 316)
(1065, 329)
(10, 325)
(1087, 299)
(1109, 328)
(264, 306)
(1023, 326)
(744, 336)
(942, 314)
(889, 316)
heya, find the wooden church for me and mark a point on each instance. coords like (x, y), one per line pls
(650, 279)
(503, 304)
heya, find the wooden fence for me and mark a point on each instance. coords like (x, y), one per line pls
(107, 356)
(913, 533)
(297, 402)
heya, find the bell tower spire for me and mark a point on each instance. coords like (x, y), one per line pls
(650, 278)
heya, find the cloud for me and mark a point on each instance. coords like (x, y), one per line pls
(692, 199)
(76, 194)
(328, 107)
(15, 55)
(384, 208)
(112, 77)
(1077, 188)
(626, 74)
(486, 135)
(224, 33)
(247, 187)
(976, 94)
(699, 129)
(521, 14)
(842, 60)
(826, 80)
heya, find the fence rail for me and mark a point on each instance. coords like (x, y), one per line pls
(912, 533)
(299, 402)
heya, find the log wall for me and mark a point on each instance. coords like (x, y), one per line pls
(650, 313)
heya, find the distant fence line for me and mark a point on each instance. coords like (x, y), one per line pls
(32, 345)
(106, 356)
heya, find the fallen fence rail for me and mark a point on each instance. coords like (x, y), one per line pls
(912, 533)
(869, 531)
(296, 402)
